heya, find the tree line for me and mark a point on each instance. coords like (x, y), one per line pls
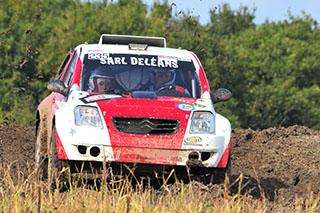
(272, 69)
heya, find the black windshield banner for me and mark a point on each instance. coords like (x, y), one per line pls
(134, 60)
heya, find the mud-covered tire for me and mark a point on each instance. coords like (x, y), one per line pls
(41, 163)
(219, 174)
(57, 169)
(227, 170)
(228, 167)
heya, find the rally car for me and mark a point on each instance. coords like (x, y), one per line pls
(131, 100)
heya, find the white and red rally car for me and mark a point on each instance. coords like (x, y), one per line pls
(130, 100)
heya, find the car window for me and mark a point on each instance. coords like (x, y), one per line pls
(63, 65)
(167, 76)
(67, 78)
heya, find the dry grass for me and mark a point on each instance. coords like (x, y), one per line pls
(32, 195)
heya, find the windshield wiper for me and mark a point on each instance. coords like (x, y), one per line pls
(118, 92)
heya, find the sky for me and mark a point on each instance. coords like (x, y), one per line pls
(274, 10)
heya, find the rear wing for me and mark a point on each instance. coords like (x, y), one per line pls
(128, 39)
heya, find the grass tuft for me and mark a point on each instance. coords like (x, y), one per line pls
(130, 194)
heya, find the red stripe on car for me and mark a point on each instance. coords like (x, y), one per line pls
(202, 76)
(225, 157)
(60, 149)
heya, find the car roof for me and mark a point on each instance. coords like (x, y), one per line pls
(123, 49)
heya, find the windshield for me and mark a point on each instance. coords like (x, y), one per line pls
(166, 76)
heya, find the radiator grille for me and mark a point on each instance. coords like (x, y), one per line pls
(150, 126)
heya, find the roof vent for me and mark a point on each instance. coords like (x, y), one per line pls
(126, 40)
(138, 46)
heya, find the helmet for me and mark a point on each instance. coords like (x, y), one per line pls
(101, 80)
(163, 77)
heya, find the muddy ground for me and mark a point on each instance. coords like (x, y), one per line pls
(282, 163)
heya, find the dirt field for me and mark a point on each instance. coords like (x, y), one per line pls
(285, 161)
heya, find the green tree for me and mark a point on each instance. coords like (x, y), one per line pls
(274, 74)
(224, 21)
(272, 69)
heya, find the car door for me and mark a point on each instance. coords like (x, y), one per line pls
(48, 106)
(66, 76)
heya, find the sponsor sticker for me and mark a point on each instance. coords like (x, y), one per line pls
(193, 141)
(97, 56)
(184, 59)
(189, 102)
(92, 51)
(185, 107)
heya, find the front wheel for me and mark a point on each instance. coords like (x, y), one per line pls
(219, 174)
(57, 169)
(41, 162)
(223, 172)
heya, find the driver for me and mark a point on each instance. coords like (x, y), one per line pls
(101, 80)
(164, 78)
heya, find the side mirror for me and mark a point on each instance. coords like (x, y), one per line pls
(58, 86)
(221, 94)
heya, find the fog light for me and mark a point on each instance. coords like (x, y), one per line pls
(94, 151)
(82, 149)
(205, 156)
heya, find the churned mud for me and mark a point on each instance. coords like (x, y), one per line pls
(282, 163)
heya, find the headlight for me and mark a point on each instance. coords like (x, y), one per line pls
(202, 122)
(87, 116)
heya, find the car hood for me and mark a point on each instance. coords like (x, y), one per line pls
(151, 108)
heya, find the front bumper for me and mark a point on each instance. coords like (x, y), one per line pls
(205, 154)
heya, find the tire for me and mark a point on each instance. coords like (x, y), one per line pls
(41, 163)
(57, 169)
(219, 174)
